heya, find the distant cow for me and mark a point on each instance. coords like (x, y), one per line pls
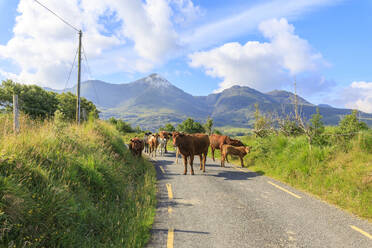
(146, 141)
(136, 146)
(153, 144)
(240, 151)
(165, 135)
(191, 145)
(162, 144)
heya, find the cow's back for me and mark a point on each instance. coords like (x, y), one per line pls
(201, 143)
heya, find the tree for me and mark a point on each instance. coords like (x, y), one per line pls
(208, 126)
(168, 127)
(122, 126)
(67, 105)
(350, 125)
(317, 128)
(262, 124)
(190, 126)
(33, 100)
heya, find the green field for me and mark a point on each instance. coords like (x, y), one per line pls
(63, 185)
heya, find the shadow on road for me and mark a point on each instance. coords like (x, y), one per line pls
(237, 175)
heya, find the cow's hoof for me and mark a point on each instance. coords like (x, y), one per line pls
(185, 173)
(192, 173)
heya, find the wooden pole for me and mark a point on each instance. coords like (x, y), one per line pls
(78, 83)
(15, 114)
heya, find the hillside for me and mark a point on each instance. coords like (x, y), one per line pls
(152, 101)
(63, 185)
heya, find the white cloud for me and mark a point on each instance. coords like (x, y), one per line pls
(263, 66)
(246, 18)
(141, 32)
(358, 96)
(128, 35)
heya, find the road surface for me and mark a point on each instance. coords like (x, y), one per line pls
(233, 207)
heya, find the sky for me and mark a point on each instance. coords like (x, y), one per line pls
(200, 46)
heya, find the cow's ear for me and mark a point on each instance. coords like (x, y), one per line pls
(131, 140)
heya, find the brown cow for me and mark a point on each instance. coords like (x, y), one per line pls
(136, 146)
(153, 143)
(191, 145)
(217, 141)
(178, 150)
(240, 151)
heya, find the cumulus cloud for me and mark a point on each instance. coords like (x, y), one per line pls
(358, 96)
(143, 33)
(263, 66)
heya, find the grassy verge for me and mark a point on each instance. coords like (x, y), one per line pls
(72, 186)
(339, 175)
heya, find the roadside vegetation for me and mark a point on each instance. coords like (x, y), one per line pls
(68, 185)
(333, 163)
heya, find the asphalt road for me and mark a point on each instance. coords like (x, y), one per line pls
(233, 207)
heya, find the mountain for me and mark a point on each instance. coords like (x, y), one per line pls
(153, 101)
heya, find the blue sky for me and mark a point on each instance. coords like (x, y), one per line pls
(200, 46)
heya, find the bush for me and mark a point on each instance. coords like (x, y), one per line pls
(190, 126)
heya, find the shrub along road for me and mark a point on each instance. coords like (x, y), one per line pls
(233, 207)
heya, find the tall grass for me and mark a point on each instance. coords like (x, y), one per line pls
(72, 186)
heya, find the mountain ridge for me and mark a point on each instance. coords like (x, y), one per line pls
(152, 101)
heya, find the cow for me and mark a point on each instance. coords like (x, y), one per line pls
(217, 141)
(146, 141)
(234, 142)
(240, 151)
(191, 145)
(178, 150)
(162, 144)
(165, 135)
(153, 144)
(136, 146)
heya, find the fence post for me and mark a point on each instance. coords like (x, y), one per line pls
(15, 114)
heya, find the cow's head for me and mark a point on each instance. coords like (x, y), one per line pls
(136, 143)
(177, 137)
(248, 149)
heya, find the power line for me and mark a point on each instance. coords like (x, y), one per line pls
(72, 67)
(90, 73)
(56, 15)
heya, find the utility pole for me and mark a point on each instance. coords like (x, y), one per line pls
(15, 114)
(78, 83)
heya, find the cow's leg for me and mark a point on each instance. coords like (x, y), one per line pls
(227, 158)
(191, 164)
(201, 161)
(204, 160)
(185, 163)
(166, 142)
(223, 160)
(212, 149)
(177, 153)
(241, 161)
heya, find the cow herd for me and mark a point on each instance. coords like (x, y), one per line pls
(189, 146)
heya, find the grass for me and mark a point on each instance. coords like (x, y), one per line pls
(340, 176)
(64, 185)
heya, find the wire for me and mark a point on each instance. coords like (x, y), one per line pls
(72, 67)
(57, 15)
(90, 73)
